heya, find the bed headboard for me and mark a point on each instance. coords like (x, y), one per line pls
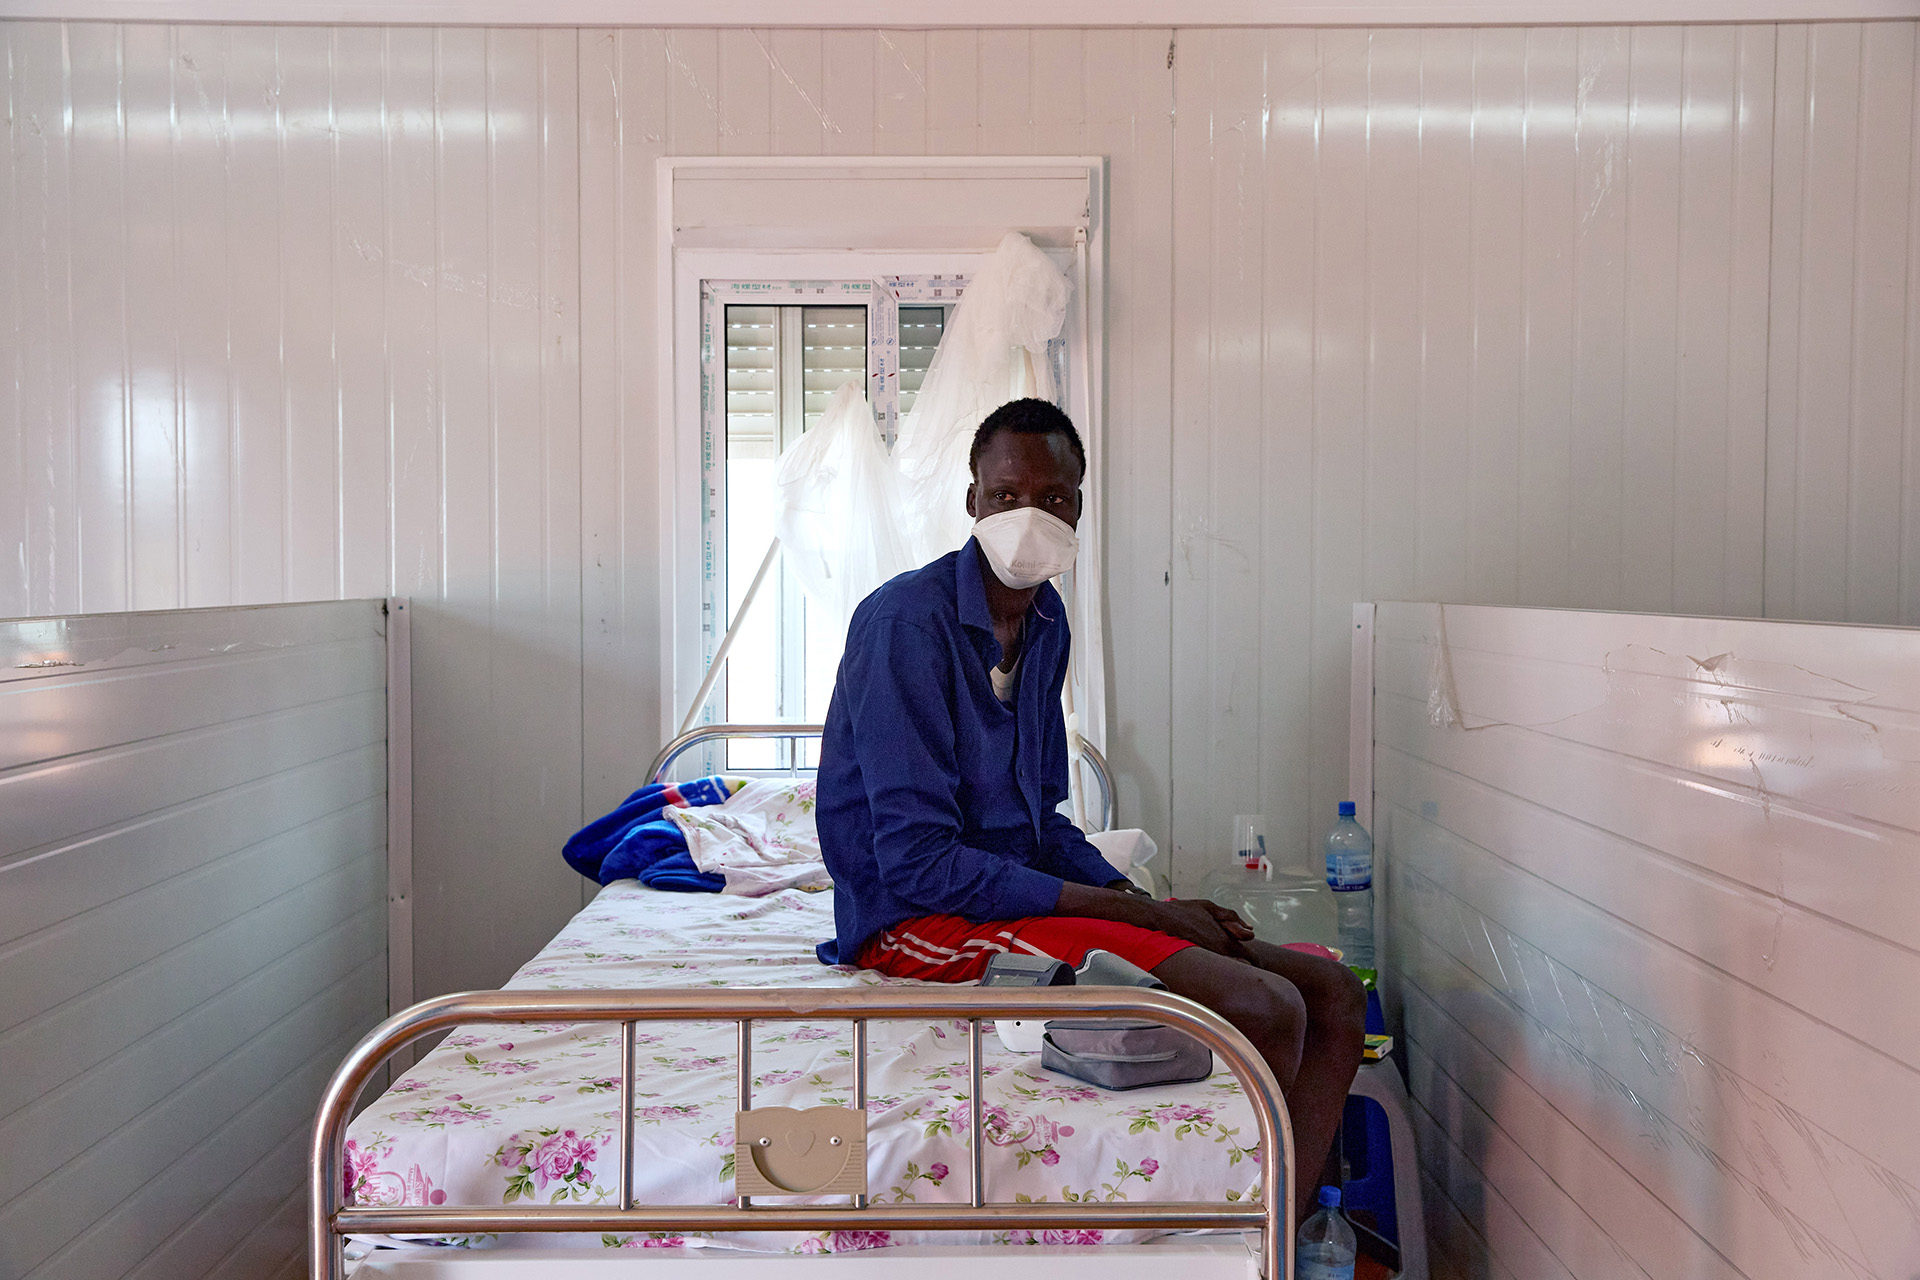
(1090, 758)
(1654, 932)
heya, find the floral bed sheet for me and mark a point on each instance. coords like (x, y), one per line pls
(507, 1115)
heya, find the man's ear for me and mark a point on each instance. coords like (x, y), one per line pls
(970, 501)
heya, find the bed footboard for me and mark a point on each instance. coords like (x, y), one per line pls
(330, 1221)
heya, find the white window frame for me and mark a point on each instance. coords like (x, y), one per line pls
(692, 643)
(881, 299)
(687, 256)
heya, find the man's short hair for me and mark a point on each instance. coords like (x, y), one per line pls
(1028, 417)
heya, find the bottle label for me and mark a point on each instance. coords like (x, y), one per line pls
(1349, 871)
(1313, 1269)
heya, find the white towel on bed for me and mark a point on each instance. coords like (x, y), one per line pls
(761, 840)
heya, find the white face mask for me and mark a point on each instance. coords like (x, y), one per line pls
(1026, 546)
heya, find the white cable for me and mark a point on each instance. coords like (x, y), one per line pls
(726, 641)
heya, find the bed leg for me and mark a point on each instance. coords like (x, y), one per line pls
(626, 1115)
(860, 1085)
(978, 1101)
(745, 1081)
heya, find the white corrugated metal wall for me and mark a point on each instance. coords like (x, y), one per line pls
(1652, 922)
(294, 313)
(193, 927)
(1595, 317)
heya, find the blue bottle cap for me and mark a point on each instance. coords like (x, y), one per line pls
(1329, 1197)
(1346, 808)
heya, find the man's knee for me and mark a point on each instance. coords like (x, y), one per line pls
(1266, 1003)
(1337, 998)
(1251, 999)
(1260, 1004)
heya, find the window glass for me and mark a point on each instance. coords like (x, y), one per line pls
(920, 330)
(752, 685)
(786, 348)
(783, 364)
(833, 351)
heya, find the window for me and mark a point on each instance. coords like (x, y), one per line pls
(847, 231)
(784, 357)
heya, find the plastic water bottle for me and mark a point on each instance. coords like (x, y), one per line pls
(1350, 876)
(1326, 1248)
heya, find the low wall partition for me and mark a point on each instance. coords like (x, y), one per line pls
(202, 821)
(1651, 890)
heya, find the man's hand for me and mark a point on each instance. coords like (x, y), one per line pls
(1201, 923)
(1197, 922)
(1229, 920)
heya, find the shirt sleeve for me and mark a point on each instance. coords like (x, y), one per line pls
(900, 686)
(1064, 846)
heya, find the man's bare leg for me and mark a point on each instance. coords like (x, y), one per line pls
(1306, 1015)
(1336, 1003)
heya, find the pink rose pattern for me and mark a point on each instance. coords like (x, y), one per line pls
(556, 1162)
(652, 1240)
(1050, 1237)
(369, 1185)
(528, 1113)
(848, 1241)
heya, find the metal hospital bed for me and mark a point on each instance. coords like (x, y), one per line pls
(330, 1220)
(1082, 752)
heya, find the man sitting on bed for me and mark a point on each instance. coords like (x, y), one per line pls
(943, 766)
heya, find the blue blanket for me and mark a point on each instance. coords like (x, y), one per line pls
(638, 841)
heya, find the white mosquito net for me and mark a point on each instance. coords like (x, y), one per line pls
(994, 350)
(839, 514)
(851, 514)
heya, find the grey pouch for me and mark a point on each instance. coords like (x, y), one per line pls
(1105, 969)
(1119, 1055)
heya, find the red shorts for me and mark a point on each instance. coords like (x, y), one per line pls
(950, 949)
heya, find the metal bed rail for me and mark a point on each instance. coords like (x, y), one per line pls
(794, 733)
(330, 1221)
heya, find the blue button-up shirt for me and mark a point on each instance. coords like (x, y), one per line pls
(934, 796)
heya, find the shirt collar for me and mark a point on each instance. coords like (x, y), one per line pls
(973, 591)
(975, 616)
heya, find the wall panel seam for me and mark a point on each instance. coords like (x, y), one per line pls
(1436, 1165)
(1794, 1015)
(332, 933)
(284, 1209)
(21, 942)
(236, 1124)
(288, 1144)
(180, 458)
(1653, 942)
(292, 1139)
(1692, 869)
(172, 1098)
(1492, 1183)
(133, 964)
(1440, 1011)
(342, 876)
(90, 1074)
(200, 735)
(84, 840)
(1813, 811)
